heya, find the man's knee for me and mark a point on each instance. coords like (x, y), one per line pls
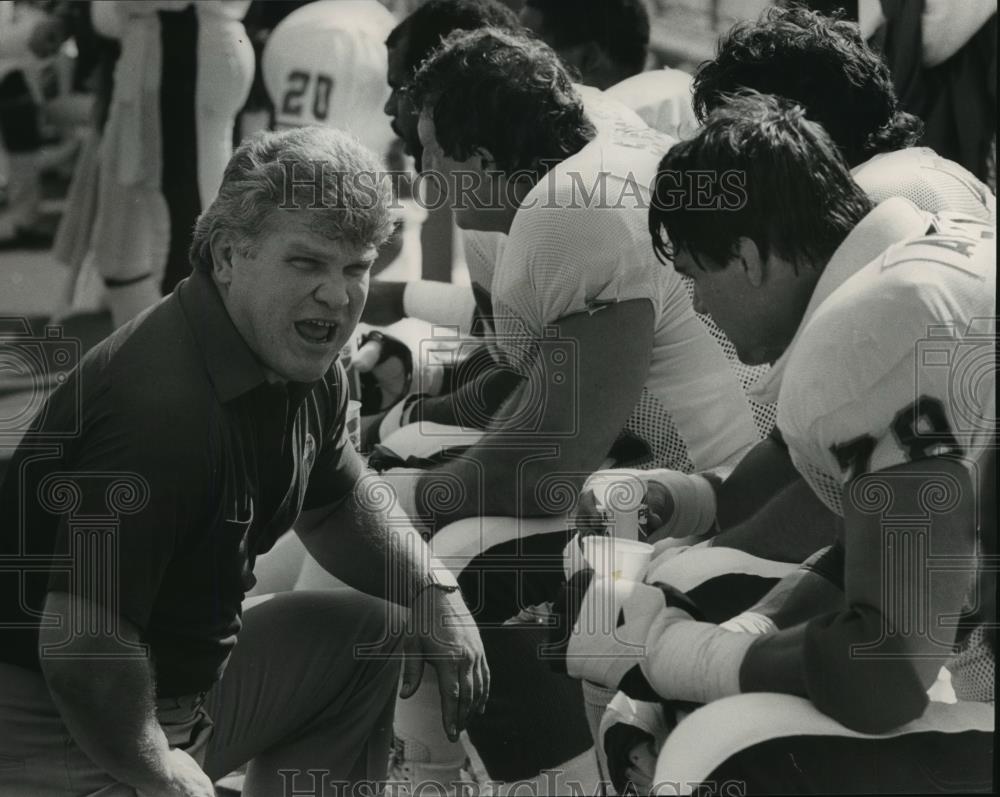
(334, 621)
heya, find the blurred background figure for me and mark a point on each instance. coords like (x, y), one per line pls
(100, 28)
(261, 18)
(607, 42)
(603, 41)
(183, 75)
(30, 37)
(943, 58)
(325, 64)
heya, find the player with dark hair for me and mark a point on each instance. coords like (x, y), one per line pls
(847, 299)
(607, 43)
(575, 277)
(413, 39)
(824, 65)
(764, 508)
(821, 63)
(408, 44)
(604, 41)
(570, 252)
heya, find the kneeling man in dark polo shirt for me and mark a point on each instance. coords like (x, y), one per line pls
(177, 453)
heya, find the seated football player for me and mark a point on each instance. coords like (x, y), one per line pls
(408, 44)
(576, 278)
(764, 508)
(440, 303)
(611, 361)
(878, 320)
(825, 66)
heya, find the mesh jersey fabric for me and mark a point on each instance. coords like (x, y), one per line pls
(580, 241)
(930, 182)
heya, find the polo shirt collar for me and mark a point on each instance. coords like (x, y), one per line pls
(232, 367)
(890, 222)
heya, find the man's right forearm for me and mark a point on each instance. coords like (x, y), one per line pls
(799, 597)
(107, 703)
(762, 474)
(477, 400)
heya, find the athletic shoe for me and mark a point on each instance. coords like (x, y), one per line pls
(411, 778)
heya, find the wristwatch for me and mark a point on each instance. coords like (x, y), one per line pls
(439, 577)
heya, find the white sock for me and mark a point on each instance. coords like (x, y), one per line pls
(24, 194)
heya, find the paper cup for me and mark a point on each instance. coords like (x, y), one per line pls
(354, 423)
(612, 557)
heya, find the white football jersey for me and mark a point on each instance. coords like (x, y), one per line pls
(607, 113)
(895, 360)
(326, 63)
(662, 98)
(930, 182)
(580, 242)
(680, 429)
(482, 249)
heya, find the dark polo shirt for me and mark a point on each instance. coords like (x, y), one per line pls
(155, 475)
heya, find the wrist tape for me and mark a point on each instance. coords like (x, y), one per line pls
(688, 660)
(694, 502)
(439, 303)
(750, 623)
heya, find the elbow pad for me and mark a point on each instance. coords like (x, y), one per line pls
(869, 691)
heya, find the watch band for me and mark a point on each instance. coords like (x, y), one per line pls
(438, 577)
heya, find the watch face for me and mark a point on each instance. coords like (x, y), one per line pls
(441, 576)
(444, 580)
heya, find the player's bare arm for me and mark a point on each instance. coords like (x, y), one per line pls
(876, 608)
(814, 589)
(609, 380)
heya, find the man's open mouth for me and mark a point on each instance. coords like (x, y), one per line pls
(316, 330)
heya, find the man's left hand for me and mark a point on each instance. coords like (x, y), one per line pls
(443, 633)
